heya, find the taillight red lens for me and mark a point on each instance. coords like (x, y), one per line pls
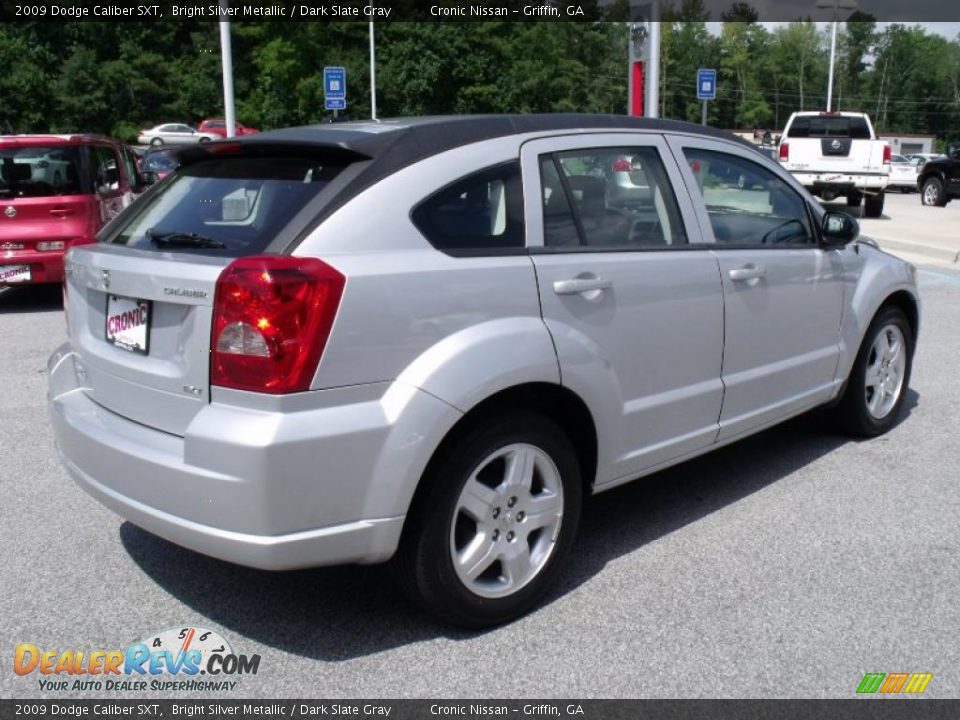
(784, 152)
(272, 316)
(621, 164)
(887, 154)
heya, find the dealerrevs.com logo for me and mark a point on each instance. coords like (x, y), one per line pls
(179, 659)
(894, 683)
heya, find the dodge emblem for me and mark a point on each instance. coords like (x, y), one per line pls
(836, 144)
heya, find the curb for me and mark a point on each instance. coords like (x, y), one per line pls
(931, 251)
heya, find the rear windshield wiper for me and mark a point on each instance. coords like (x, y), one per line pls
(175, 238)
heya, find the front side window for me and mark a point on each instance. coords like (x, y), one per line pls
(747, 203)
(231, 206)
(106, 176)
(479, 213)
(609, 198)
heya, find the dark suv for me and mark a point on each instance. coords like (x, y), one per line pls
(939, 180)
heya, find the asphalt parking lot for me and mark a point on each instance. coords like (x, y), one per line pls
(786, 565)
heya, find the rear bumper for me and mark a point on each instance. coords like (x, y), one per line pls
(45, 267)
(275, 491)
(841, 182)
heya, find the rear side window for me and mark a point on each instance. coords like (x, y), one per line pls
(231, 206)
(40, 172)
(609, 199)
(829, 126)
(480, 213)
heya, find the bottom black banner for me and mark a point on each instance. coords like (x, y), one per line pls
(860, 709)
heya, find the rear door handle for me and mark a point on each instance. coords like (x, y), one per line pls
(580, 285)
(61, 212)
(747, 272)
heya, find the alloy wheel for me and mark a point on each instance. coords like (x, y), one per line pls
(885, 371)
(506, 521)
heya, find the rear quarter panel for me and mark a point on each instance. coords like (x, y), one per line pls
(460, 328)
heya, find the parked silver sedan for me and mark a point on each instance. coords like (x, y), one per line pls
(426, 341)
(174, 134)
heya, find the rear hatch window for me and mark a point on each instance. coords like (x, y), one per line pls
(232, 206)
(40, 172)
(140, 320)
(826, 126)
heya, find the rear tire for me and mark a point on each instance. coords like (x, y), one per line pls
(873, 205)
(878, 383)
(932, 193)
(491, 528)
(854, 199)
(156, 141)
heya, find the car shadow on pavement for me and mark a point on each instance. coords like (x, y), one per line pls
(31, 298)
(341, 613)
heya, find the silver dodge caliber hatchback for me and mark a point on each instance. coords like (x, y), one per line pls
(425, 341)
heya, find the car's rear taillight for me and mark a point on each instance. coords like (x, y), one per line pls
(784, 152)
(272, 316)
(887, 154)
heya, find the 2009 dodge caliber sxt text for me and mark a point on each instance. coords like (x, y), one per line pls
(426, 340)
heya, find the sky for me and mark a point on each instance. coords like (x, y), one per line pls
(949, 30)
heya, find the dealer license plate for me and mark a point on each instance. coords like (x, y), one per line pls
(14, 273)
(128, 323)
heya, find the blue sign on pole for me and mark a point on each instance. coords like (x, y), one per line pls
(706, 84)
(334, 88)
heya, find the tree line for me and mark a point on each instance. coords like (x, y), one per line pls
(117, 78)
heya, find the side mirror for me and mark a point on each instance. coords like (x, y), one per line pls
(839, 228)
(954, 152)
(149, 178)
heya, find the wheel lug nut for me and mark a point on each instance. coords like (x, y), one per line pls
(511, 502)
(496, 534)
(510, 536)
(520, 516)
(496, 512)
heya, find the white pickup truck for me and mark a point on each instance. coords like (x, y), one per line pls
(837, 153)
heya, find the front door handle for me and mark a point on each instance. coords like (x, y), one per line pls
(580, 285)
(747, 272)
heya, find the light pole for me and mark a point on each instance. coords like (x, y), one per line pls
(226, 58)
(835, 5)
(373, 69)
(652, 104)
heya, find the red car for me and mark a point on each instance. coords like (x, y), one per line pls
(57, 191)
(219, 126)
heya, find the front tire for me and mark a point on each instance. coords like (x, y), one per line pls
(880, 377)
(494, 523)
(932, 193)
